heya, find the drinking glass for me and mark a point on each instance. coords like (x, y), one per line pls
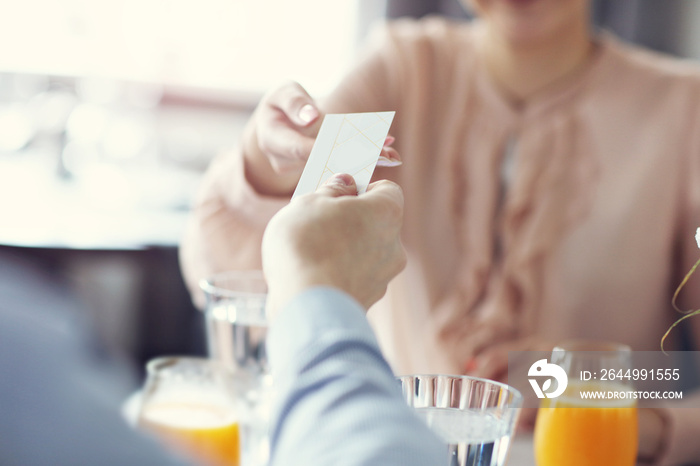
(475, 417)
(194, 406)
(236, 329)
(578, 430)
(235, 319)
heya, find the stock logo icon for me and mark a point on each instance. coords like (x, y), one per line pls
(542, 368)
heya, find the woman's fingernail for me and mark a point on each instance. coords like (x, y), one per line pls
(389, 140)
(387, 162)
(308, 113)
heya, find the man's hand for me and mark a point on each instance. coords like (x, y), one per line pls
(335, 238)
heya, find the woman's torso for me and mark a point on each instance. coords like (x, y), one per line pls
(574, 237)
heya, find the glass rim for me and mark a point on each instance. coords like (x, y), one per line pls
(208, 284)
(504, 386)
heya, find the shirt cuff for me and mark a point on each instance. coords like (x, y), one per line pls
(311, 314)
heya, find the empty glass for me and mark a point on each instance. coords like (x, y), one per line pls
(475, 417)
(235, 319)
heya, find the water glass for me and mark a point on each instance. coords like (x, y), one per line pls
(235, 319)
(475, 417)
(236, 329)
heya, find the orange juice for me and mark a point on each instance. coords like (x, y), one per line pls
(575, 432)
(207, 434)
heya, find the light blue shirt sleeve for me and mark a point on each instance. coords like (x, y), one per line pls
(338, 401)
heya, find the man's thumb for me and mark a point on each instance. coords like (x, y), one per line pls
(340, 184)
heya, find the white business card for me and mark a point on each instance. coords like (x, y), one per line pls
(346, 143)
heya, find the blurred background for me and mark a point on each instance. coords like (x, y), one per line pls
(110, 111)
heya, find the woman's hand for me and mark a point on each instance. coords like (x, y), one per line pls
(279, 138)
(493, 362)
(653, 433)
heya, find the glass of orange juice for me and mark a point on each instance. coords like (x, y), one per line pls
(194, 406)
(594, 421)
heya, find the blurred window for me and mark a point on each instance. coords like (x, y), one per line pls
(239, 45)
